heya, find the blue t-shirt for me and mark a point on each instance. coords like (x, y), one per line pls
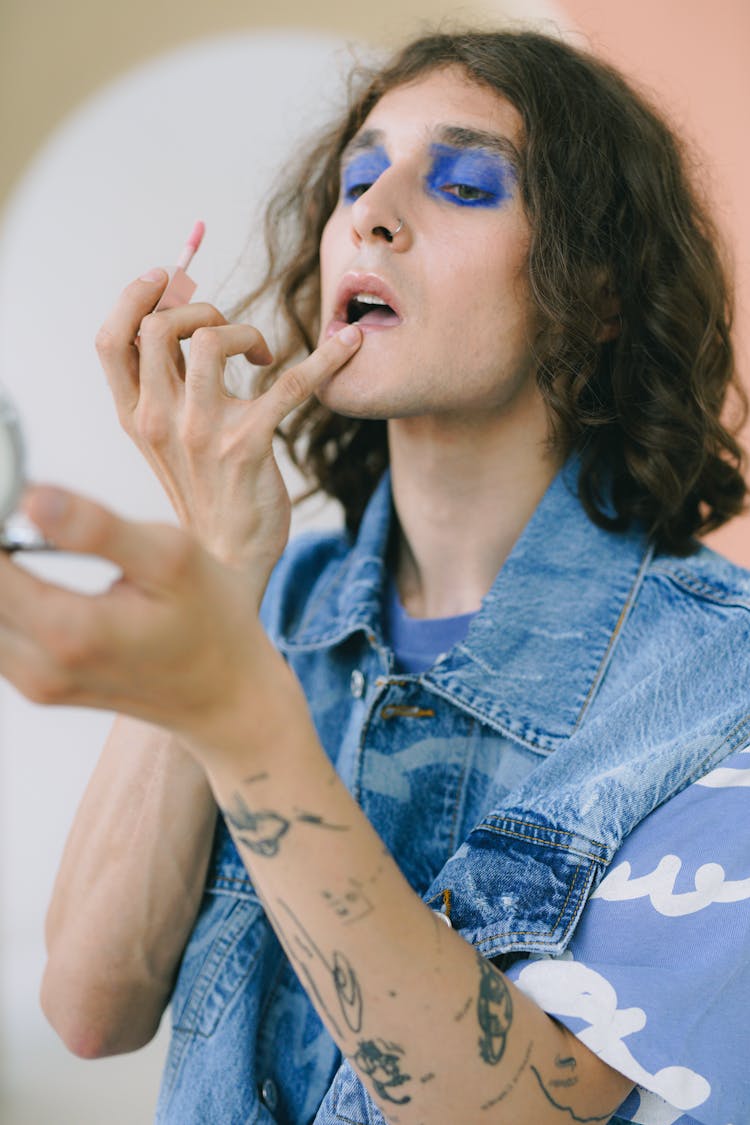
(656, 979)
(417, 641)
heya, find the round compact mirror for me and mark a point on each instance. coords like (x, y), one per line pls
(11, 458)
(16, 532)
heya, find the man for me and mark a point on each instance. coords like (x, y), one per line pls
(457, 716)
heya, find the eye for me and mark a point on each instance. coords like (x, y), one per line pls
(354, 191)
(467, 192)
(361, 172)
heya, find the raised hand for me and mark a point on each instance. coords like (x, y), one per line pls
(212, 452)
(176, 639)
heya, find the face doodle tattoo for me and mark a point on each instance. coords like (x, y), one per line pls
(380, 1062)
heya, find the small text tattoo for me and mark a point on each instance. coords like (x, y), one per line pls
(381, 1063)
(261, 831)
(460, 1015)
(350, 906)
(494, 1012)
(567, 1067)
(581, 1120)
(255, 777)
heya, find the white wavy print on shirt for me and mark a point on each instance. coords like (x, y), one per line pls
(726, 778)
(711, 886)
(563, 987)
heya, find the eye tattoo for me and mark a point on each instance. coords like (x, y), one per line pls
(381, 1063)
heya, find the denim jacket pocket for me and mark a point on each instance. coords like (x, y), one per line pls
(226, 943)
(215, 1009)
(519, 883)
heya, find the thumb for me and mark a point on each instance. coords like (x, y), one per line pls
(74, 523)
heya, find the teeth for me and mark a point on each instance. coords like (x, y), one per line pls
(368, 299)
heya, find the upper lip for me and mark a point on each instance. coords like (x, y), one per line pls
(353, 283)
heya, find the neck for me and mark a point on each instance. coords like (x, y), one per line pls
(463, 494)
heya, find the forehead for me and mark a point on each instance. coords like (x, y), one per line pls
(445, 98)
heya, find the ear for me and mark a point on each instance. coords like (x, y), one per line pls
(608, 307)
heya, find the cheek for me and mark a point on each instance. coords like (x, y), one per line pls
(333, 239)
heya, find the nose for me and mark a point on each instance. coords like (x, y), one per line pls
(378, 216)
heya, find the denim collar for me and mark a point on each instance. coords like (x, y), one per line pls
(543, 637)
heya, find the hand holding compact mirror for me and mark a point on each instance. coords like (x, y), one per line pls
(16, 532)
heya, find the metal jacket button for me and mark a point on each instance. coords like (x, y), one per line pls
(357, 683)
(269, 1094)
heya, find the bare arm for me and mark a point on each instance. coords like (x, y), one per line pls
(127, 892)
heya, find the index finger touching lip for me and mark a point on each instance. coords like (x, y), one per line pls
(295, 385)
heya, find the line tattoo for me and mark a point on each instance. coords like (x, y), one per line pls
(318, 822)
(260, 832)
(301, 967)
(566, 1108)
(494, 1012)
(511, 1085)
(381, 1063)
(343, 977)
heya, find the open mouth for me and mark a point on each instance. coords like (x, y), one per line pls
(368, 308)
(367, 300)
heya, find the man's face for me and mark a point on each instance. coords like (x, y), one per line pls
(435, 155)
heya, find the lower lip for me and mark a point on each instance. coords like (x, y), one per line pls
(335, 326)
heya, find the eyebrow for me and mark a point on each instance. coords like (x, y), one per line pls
(459, 136)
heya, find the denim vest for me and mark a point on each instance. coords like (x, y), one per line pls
(598, 679)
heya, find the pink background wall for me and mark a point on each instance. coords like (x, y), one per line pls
(694, 57)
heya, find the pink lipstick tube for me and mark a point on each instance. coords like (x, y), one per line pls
(180, 289)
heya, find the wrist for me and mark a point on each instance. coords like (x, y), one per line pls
(266, 723)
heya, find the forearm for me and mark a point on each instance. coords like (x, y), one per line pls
(127, 892)
(436, 1033)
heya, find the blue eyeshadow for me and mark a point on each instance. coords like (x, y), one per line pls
(362, 171)
(486, 173)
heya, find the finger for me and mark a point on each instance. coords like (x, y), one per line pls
(35, 615)
(48, 635)
(159, 342)
(154, 556)
(22, 664)
(297, 383)
(209, 350)
(116, 339)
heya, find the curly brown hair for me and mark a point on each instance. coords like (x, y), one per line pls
(611, 209)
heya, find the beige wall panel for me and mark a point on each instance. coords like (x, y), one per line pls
(54, 53)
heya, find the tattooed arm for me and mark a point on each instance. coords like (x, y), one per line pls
(436, 1033)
